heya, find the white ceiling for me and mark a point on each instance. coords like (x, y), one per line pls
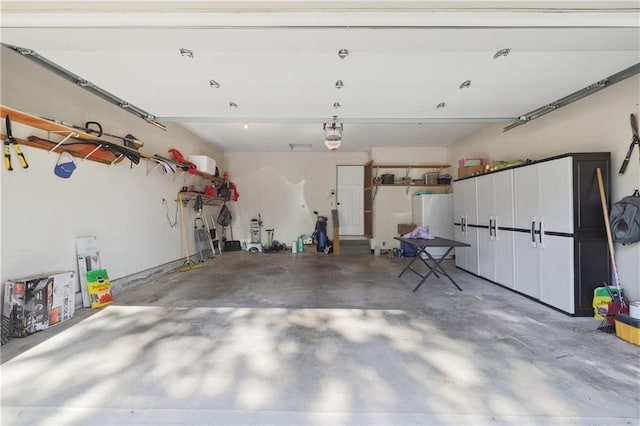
(278, 61)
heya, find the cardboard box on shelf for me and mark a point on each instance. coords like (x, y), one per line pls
(466, 162)
(467, 171)
(203, 163)
(405, 228)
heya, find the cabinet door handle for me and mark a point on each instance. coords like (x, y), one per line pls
(533, 231)
(495, 227)
(462, 224)
(541, 231)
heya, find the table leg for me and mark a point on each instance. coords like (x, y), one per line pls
(409, 265)
(439, 267)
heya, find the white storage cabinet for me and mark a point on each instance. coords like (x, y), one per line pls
(539, 229)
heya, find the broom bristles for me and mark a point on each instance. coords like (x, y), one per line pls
(188, 266)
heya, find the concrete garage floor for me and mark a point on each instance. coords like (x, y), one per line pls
(311, 339)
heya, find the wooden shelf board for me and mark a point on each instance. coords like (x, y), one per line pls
(206, 199)
(410, 184)
(78, 150)
(44, 124)
(411, 166)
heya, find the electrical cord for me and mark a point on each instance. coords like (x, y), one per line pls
(175, 222)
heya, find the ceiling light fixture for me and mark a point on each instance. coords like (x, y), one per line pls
(333, 134)
(245, 126)
(186, 52)
(441, 105)
(214, 84)
(339, 84)
(233, 105)
(336, 105)
(343, 53)
(502, 52)
(465, 84)
(589, 90)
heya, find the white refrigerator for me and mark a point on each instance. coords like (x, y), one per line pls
(435, 212)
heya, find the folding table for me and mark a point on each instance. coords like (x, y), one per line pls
(423, 246)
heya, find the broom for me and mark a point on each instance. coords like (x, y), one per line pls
(188, 264)
(617, 304)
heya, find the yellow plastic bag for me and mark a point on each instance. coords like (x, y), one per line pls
(99, 288)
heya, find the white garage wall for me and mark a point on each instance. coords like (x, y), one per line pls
(597, 123)
(285, 188)
(392, 205)
(42, 214)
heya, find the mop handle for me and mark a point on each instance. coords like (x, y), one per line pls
(605, 213)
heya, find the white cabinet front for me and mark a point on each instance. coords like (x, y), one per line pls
(544, 243)
(465, 208)
(556, 272)
(495, 211)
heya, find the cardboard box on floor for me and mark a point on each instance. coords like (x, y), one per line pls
(34, 303)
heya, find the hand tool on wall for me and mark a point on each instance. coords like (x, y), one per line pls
(635, 140)
(95, 128)
(129, 140)
(10, 140)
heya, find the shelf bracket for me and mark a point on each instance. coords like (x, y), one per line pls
(71, 134)
(92, 151)
(152, 170)
(117, 158)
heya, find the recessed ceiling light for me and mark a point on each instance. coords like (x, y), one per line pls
(465, 84)
(233, 105)
(186, 52)
(336, 105)
(343, 53)
(502, 52)
(339, 84)
(214, 84)
(245, 126)
(441, 105)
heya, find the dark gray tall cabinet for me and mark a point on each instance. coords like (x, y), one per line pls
(538, 229)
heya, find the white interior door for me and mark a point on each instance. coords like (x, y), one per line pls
(351, 200)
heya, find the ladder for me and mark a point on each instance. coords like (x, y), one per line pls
(214, 236)
(204, 245)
